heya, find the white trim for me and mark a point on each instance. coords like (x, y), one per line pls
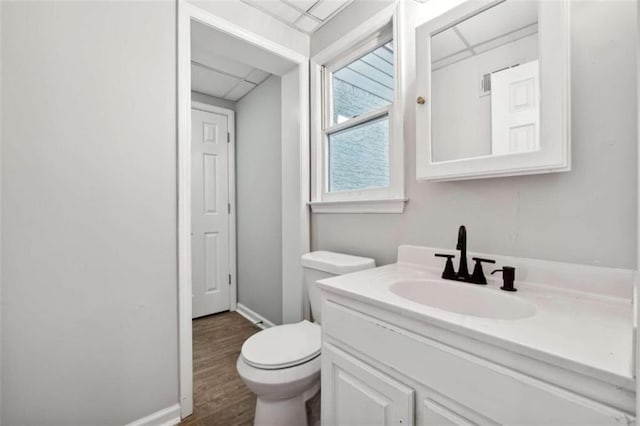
(373, 28)
(361, 206)
(636, 304)
(231, 168)
(166, 417)
(554, 154)
(187, 12)
(254, 317)
(361, 119)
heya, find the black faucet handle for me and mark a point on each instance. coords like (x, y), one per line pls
(449, 273)
(508, 277)
(478, 274)
(480, 259)
(449, 256)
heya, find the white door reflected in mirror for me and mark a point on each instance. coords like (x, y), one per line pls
(484, 73)
(481, 68)
(515, 113)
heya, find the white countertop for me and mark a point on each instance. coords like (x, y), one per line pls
(585, 332)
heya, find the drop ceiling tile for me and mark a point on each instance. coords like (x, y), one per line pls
(445, 44)
(307, 24)
(239, 91)
(277, 8)
(302, 4)
(324, 8)
(499, 21)
(284, 11)
(209, 82)
(257, 76)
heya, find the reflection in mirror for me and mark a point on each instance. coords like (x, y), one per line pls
(485, 84)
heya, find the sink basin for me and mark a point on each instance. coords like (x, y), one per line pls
(463, 298)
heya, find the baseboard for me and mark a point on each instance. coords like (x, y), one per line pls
(169, 416)
(253, 316)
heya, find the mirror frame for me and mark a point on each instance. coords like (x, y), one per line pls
(554, 154)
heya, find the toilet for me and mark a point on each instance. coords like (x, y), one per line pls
(281, 364)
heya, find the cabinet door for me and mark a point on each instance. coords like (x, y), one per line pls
(355, 394)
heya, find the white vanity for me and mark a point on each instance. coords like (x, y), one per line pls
(401, 346)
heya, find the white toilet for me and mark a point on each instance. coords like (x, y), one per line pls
(281, 364)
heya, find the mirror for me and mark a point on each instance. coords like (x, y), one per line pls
(481, 111)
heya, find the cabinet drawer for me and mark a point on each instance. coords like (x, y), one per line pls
(502, 395)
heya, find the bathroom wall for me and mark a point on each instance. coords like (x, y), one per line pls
(213, 101)
(259, 199)
(585, 216)
(89, 280)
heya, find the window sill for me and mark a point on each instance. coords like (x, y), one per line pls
(395, 205)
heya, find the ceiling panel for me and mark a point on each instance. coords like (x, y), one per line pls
(307, 24)
(205, 80)
(302, 4)
(256, 76)
(325, 8)
(445, 43)
(504, 23)
(303, 15)
(240, 90)
(282, 10)
(220, 63)
(499, 21)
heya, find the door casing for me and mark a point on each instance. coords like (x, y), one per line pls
(186, 13)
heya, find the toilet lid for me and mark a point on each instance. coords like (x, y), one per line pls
(283, 346)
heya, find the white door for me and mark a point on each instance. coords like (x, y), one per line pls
(210, 212)
(515, 112)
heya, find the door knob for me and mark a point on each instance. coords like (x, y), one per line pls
(421, 100)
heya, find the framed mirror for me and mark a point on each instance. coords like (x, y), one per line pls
(493, 90)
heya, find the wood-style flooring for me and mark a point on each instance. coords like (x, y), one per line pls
(219, 395)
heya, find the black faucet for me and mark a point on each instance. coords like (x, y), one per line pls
(463, 270)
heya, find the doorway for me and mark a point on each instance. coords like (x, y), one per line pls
(208, 280)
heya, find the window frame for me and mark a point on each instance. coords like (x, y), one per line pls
(367, 37)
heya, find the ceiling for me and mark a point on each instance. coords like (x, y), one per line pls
(220, 64)
(507, 22)
(303, 15)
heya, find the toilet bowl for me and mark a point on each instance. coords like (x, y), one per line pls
(281, 364)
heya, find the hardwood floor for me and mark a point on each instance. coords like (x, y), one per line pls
(219, 395)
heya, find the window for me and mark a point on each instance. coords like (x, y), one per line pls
(357, 140)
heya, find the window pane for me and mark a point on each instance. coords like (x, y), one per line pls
(359, 157)
(364, 85)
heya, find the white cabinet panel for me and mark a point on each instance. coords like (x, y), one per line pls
(357, 395)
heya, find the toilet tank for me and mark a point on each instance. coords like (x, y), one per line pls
(319, 265)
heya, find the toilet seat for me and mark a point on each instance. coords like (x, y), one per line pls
(283, 346)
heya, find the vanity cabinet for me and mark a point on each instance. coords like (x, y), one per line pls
(380, 367)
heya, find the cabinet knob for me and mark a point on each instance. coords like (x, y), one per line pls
(421, 100)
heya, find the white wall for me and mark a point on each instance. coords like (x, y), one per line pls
(259, 199)
(461, 118)
(586, 216)
(89, 282)
(213, 101)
